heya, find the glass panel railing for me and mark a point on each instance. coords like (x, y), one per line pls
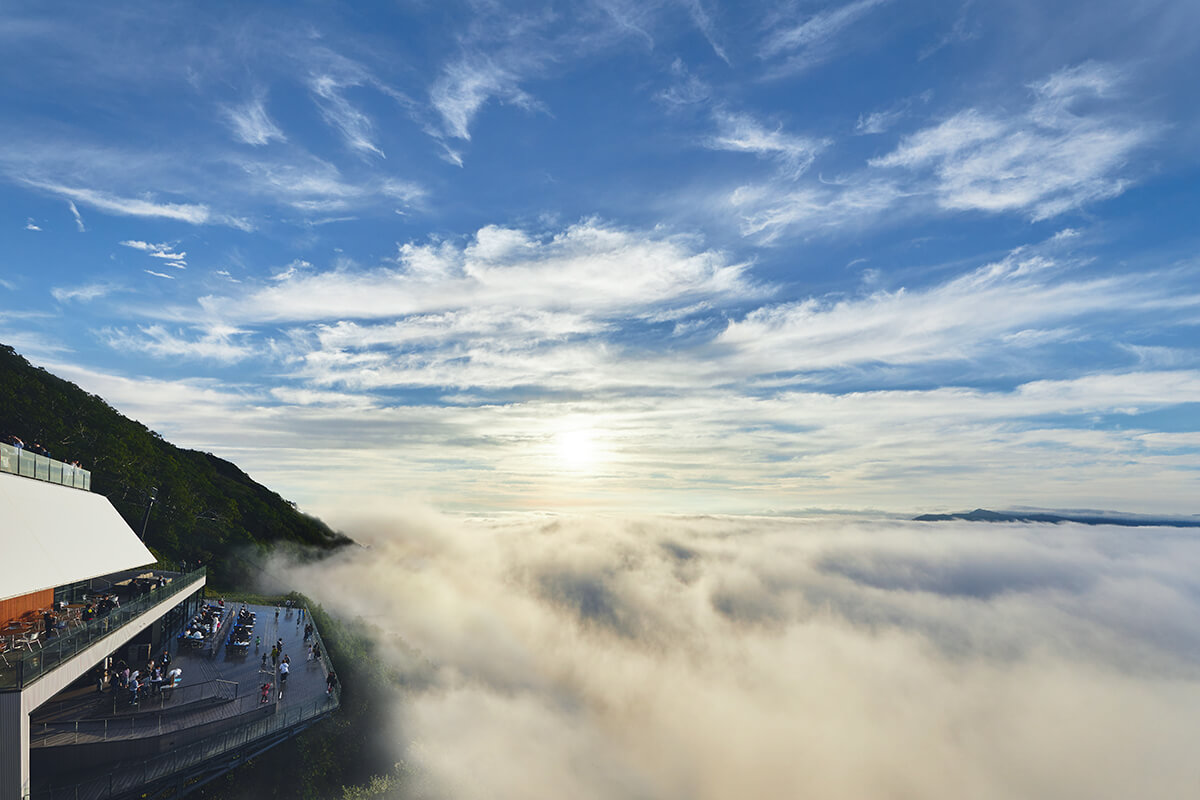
(17, 461)
(8, 459)
(19, 669)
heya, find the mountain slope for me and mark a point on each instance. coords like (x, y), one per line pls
(205, 511)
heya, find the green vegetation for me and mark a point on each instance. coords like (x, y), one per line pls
(206, 510)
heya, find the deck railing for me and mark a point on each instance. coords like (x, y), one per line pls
(25, 667)
(18, 461)
(130, 776)
(169, 703)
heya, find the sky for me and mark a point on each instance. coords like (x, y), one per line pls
(641, 256)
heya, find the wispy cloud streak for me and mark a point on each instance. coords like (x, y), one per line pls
(251, 123)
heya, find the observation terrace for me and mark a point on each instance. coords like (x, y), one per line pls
(90, 745)
(80, 592)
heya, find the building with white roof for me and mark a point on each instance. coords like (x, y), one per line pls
(81, 594)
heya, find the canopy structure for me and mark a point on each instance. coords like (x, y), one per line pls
(53, 535)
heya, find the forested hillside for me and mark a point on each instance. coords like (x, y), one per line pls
(206, 510)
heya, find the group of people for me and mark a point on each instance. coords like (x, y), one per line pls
(99, 608)
(243, 627)
(35, 448)
(204, 624)
(279, 661)
(137, 681)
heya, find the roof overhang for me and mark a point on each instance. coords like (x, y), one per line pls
(53, 535)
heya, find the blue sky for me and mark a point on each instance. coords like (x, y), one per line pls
(673, 256)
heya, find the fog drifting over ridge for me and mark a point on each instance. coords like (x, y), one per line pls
(734, 657)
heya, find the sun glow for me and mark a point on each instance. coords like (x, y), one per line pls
(577, 449)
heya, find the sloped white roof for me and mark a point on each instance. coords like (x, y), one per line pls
(52, 535)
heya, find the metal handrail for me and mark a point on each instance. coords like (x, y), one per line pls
(172, 700)
(28, 667)
(131, 726)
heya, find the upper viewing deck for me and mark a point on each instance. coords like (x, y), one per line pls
(18, 461)
(26, 654)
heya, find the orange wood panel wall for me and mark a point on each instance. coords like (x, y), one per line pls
(16, 607)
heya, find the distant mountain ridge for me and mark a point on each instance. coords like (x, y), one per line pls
(1127, 520)
(205, 509)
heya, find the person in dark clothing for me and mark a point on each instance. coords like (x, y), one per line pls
(331, 681)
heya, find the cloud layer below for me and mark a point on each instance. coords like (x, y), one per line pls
(777, 658)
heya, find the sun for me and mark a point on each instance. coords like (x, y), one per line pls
(578, 448)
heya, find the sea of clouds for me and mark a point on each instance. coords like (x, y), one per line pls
(818, 657)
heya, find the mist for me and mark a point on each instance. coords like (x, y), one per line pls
(700, 657)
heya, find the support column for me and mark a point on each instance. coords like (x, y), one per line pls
(14, 747)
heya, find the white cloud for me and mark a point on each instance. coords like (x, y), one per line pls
(958, 319)
(30, 225)
(742, 133)
(770, 210)
(878, 121)
(127, 206)
(314, 186)
(704, 22)
(588, 266)
(292, 270)
(216, 342)
(355, 126)
(84, 293)
(159, 274)
(1045, 161)
(686, 89)
(467, 84)
(251, 123)
(78, 218)
(811, 42)
(163, 250)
